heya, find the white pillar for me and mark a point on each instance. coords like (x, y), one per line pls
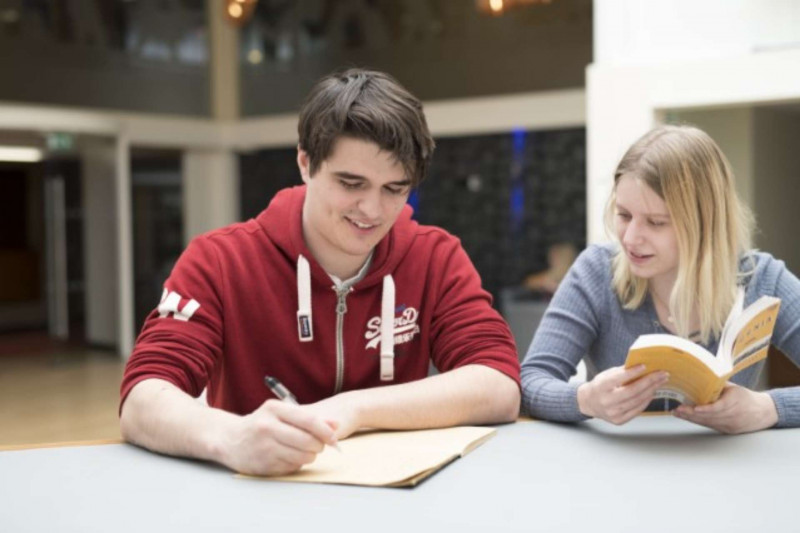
(618, 112)
(210, 190)
(98, 158)
(124, 246)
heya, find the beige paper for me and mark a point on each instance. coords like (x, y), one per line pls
(390, 458)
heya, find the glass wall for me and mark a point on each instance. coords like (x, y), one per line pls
(137, 55)
(437, 48)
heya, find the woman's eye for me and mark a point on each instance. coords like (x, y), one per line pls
(624, 216)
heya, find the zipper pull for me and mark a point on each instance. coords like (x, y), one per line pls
(341, 304)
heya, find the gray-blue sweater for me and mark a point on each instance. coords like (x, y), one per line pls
(586, 321)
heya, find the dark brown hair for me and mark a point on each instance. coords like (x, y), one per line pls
(370, 106)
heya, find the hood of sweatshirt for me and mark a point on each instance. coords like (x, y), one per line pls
(282, 222)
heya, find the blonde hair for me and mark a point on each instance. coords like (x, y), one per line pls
(686, 168)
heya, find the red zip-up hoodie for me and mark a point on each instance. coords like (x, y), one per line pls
(231, 313)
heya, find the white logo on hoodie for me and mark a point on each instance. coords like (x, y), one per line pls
(405, 328)
(169, 304)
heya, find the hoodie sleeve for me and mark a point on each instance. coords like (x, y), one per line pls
(181, 339)
(465, 329)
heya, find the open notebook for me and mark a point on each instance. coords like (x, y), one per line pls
(390, 458)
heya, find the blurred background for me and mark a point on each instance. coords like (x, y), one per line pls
(129, 126)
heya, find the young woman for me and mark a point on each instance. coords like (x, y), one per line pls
(682, 252)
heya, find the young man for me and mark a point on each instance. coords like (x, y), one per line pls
(334, 291)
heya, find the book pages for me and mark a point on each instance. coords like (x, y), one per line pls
(390, 458)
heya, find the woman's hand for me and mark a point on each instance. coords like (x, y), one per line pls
(738, 410)
(618, 394)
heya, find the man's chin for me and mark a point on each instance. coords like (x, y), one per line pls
(360, 249)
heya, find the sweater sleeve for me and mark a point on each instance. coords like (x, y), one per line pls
(786, 337)
(465, 328)
(181, 339)
(567, 330)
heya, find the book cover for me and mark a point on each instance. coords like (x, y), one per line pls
(697, 376)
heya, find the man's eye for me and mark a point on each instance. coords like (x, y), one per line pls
(396, 190)
(350, 185)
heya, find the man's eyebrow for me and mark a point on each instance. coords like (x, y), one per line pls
(349, 175)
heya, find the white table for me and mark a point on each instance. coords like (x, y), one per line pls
(654, 474)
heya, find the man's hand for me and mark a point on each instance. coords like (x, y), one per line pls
(616, 395)
(340, 410)
(277, 438)
(738, 410)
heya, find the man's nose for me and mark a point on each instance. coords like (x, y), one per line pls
(370, 205)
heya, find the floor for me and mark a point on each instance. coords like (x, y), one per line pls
(54, 392)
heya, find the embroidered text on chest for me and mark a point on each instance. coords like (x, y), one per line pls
(405, 328)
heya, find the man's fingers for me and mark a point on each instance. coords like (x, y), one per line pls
(288, 460)
(295, 457)
(305, 420)
(296, 438)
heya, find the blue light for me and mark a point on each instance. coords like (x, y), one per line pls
(517, 196)
(517, 206)
(519, 141)
(413, 201)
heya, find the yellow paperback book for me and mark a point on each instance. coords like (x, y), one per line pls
(696, 376)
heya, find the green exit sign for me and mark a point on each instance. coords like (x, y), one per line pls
(60, 142)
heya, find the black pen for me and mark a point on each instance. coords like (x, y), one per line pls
(284, 395)
(279, 390)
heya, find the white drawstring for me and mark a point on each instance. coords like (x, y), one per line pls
(387, 329)
(305, 327)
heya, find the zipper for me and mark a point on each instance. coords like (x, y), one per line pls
(341, 309)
